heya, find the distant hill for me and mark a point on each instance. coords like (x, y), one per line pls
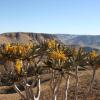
(86, 41)
(22, 37)
(92, 41)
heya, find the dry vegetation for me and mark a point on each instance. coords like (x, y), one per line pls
(48, 71)
(85, 77)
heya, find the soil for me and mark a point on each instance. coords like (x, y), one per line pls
(84, 77)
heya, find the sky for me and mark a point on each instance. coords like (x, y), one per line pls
(50, 16)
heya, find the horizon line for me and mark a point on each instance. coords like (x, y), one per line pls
(53, 33)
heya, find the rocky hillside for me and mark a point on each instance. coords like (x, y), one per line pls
(92, 41)
(87, 41)
(21, 37)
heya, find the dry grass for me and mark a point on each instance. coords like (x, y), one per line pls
(85, 77)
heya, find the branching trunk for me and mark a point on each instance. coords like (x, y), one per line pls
(77, 80)
(37, 97)
(67, 87)
(54, 84)
(26, 86)
(29, 95)
(19, 92)
(27, 92)
(91, 84)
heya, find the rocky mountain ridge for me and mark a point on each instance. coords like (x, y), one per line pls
(91, 41)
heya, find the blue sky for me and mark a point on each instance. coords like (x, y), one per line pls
(50, 16)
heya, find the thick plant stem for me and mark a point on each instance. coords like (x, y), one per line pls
(29, 95)
(54, 97)
(26, 88)
(29, 92)
(19, 92)
(54, 84)
(91, 84)
(77, 80)
(37, 97)
(67, 87)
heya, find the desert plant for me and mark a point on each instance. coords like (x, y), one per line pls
(93, 60)
(61, 61)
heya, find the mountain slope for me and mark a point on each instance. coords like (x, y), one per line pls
(82, 40)
(92, 41)
(22, 37)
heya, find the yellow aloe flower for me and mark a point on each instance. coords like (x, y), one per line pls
(7, 46)
(20, 52)
(10, 49)
(51, 43)
(29, 46)
(18, 65)
(14, 49)
(93, 54)
(57, 55)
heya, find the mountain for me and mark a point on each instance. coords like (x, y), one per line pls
(92, 41)
(86, 41)
(23, 37)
